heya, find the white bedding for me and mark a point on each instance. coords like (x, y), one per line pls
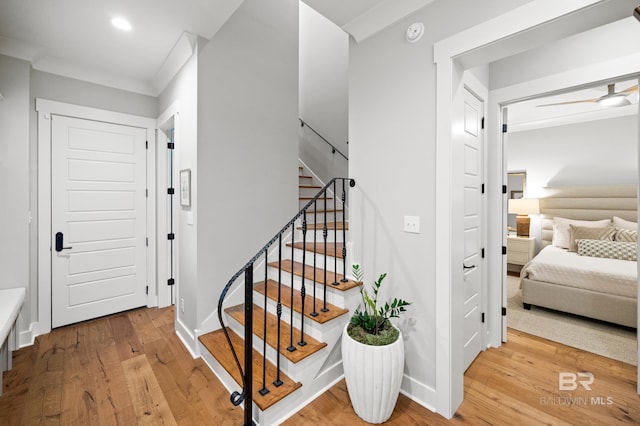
(559, 266)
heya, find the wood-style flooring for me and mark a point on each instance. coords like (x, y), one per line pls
(130, 368)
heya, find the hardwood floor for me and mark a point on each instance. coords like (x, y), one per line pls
(131, 369)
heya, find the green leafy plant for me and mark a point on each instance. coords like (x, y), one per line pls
(371, 325)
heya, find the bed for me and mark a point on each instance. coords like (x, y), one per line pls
(596, 287)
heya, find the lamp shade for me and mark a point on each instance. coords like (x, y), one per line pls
(524, 206)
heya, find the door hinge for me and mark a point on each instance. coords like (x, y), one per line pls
(504, 128)
(171, 281)
(482, 253)
(482, 317)
(504, 311)
(147, 241)
(171, 236)
(147, 290)
(171, 191)
(171, 145)
(504, 189)
(504, 250)
(482, 123)
(482, 188)
(146, 192)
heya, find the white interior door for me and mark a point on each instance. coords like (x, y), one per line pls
(472, 266)
(98, 211)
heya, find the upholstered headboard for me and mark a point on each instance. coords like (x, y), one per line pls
(586, 203)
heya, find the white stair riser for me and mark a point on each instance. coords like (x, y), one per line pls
(332, 235)
(308, 192)
(319, 217)
(311, 328)
(308, 259)
(334, 296)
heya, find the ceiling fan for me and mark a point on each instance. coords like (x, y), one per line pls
(611, 99)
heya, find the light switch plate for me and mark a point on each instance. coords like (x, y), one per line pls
(412, 224)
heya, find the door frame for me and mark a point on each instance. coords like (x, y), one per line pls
(447, 54)
(45, 109)
(168, 118)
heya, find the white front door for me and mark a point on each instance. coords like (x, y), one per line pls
(472, 265)
(98, 219)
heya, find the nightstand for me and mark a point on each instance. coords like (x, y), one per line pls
(520, 250)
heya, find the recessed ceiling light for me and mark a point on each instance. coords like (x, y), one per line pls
(121, 24)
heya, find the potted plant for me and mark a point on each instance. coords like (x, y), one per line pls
(373, 354)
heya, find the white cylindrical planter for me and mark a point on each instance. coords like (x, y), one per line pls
(373, 375)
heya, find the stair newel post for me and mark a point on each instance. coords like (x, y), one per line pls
(248, 345)
(277, 382)
(264, 389)
(303, 289)
(324, 235)
(292, 348)
(314, 313)
(344, 233)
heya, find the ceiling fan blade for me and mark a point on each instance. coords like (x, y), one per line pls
(583, 101)
(630, 90)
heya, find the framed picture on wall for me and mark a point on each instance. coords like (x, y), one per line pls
(516, 195)
(185, 187)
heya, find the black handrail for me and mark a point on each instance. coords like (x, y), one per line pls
(333, 148)
(245, 394)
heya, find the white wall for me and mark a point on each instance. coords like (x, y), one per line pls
(15, 175)
(247, 140)
(392, 115)
(324, 61)
(593, 153)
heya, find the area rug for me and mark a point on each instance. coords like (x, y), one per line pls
(599, 337)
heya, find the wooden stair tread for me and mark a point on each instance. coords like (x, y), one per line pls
(297, 268)
(301, 352)
(309, 186)
(321, 318)
(305, 177)
(217, 345)
(319, 248)
(330, 226)
(321, 211)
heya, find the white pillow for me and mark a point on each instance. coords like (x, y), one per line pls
(561, 232)
(618, 222)
(561, 235)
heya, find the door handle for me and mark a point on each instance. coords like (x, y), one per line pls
(60, 242)
(465, 267)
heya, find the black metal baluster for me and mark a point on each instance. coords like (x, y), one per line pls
(248, 344)
(277, 382)
(315, 240)
(264, 389)
(303, 290)
(292, 348)
(335, 236)
(344, 233)
(324, 235)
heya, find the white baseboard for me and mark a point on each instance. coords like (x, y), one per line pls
(187, 337)
(419, 392)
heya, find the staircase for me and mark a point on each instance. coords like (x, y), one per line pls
(298, 304)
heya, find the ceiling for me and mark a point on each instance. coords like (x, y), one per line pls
(75, 37)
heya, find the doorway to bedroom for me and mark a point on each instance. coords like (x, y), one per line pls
(585, 156)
